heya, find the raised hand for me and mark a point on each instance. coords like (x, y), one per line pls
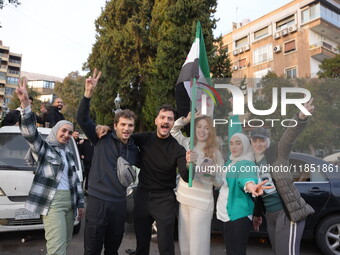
(91, 83)
(309, 106)
(22, 93)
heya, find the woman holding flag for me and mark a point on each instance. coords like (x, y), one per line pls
(197, 202)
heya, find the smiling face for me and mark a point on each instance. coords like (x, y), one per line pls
(259, 145)
(124, 128)
(202, 130)
(58, 103)
(164, 121)
(236, 146)
(64, 134)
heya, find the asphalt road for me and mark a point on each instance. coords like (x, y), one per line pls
(10, 244)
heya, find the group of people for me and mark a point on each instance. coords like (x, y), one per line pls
(48, 117)
(160, 155)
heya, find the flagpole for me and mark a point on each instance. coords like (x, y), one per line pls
(192, 127)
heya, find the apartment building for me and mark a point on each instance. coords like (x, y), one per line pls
(43, 84)
(291, 41)
(10, 66)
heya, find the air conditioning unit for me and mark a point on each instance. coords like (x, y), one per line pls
(277, 35)
(292, 29)
(246, 47)
(235, 68)
(277, 48)
(284, 32)
(235, 52)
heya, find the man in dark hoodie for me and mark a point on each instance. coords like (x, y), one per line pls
(106, 202)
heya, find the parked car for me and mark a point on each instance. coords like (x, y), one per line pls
(16, 176)
(319, 184)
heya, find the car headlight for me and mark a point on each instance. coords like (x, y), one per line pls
(2, 193)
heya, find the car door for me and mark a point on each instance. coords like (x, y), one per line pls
(311, 183)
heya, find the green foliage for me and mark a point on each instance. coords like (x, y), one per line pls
(330, 67)
(220, 64)
(322, 131)
(71, 90)
(140, 48)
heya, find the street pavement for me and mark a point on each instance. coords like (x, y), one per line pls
(11, 244)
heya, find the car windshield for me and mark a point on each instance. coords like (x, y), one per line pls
(14, 150)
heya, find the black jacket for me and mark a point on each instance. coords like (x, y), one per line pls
(53, 116)
(103, 179)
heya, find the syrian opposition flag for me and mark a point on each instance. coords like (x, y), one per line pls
(196, 67)
(195, 75)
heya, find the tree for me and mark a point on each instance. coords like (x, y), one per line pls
(172, 30)
(330, 67)
(15, 102)
(121, 52)
(220, 67)
(140, 48)
(71, 90)
(14, 2)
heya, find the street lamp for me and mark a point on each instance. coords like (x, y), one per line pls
(117, 102)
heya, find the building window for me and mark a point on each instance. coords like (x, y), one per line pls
(9, 91)
(289, 46)
(284, 23)
(12, 80)
(2, 75)
(261, 33)
(310, 13)
(263, 54)
(241, 42)
(48, 84)
(291, 73)
(242, 63)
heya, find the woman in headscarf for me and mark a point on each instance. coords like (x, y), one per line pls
(196, 204)
(234, 204)
(56, 192)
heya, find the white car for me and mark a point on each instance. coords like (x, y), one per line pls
(16, 177)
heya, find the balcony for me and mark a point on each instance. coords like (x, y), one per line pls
(322, 50)
(4, 56)
(326, 30)
(2, 91)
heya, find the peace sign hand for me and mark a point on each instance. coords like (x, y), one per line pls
(257, 189)
(309, 107)
(91, 83)
(22, 93)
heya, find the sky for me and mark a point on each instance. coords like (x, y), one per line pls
(55, 37)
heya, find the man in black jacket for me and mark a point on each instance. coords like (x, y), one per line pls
(106, 203)
(53, 114)
(12, 118)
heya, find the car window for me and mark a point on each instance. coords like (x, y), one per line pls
(306, 172)
(13, 150)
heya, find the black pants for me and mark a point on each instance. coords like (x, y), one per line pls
(235, 234)
(104, 225)
(87, 167)
(150, 207)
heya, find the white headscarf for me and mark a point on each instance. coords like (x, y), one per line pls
(52, 137)
(247, 153)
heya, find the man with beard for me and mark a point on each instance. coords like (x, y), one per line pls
(155, 200)
(53, 114)
(106, 200)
